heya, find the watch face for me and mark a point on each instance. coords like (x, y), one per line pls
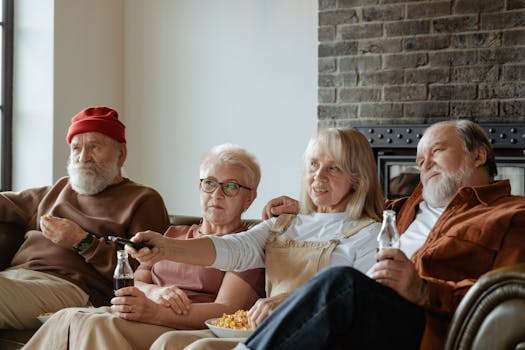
(85, 242)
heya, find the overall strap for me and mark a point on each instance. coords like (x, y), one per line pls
(354, 229)
(282, 223)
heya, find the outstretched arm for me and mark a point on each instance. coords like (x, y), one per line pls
(198, 251)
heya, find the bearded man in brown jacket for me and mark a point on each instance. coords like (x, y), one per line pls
(65, 259)
(457, 225)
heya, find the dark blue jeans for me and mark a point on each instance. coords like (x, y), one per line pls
(341, 308)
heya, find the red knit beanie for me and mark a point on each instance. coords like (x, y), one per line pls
(99, 119)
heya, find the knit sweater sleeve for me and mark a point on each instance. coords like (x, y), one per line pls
(21, 207)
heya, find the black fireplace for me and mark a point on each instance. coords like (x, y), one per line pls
(395, 150)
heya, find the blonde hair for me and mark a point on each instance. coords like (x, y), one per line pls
(230, 154)
(353, 153)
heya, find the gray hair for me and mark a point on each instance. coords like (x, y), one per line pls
(235, 155)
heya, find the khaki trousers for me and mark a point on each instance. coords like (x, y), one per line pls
(24, 294)
(93, 328)
(193, 340)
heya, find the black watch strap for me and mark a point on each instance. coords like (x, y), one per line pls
(83, 244)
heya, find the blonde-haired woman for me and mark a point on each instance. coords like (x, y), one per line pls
(338, 225)
(168, 295)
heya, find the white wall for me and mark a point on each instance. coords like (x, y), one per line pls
(203, 72)
(193, 74)
(33, 94)
(88, 63)
(68, 55)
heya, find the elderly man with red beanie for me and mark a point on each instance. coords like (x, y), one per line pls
(65, 259)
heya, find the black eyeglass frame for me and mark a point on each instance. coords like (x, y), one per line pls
(222, 185)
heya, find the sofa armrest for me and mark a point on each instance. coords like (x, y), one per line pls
(11, 237)
(492, 313)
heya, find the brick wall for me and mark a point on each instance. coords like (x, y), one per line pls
(419, 61)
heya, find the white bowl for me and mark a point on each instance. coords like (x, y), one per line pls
(227, 332)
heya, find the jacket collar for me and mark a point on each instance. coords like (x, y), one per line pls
(407, 207)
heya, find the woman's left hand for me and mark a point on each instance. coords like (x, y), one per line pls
(264, 307)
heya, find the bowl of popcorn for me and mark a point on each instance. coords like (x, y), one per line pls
(230, 326)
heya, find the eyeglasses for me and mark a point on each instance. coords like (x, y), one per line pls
(229, 189)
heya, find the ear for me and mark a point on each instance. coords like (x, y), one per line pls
(249, 200)
(123, 154)
(479, 157)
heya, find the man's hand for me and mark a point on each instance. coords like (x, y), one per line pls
(62, 232)
(263, 307)
(280, 205)
(396, 271)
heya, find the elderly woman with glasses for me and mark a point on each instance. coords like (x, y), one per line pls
(169, 295)
(338, 225)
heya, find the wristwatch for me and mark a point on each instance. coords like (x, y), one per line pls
(83, 244)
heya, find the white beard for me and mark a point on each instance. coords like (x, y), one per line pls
(438, 193)
(88, 178)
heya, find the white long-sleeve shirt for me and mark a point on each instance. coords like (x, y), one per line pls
(245, 250)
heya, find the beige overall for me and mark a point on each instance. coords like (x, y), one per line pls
(289, 264)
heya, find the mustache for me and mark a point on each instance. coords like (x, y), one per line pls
(432, 172)
(83, 165)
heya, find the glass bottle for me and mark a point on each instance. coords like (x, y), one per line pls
(388, 236)
(123, 276)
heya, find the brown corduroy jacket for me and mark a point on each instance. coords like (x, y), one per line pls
(482, 228)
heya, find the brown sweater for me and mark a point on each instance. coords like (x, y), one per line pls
(121, 210)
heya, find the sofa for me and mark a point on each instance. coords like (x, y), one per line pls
(12, 236)
(490, 316)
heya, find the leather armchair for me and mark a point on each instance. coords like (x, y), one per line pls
(492, 313)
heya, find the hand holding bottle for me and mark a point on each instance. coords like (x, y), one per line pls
(132, 304)
(396, 271)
